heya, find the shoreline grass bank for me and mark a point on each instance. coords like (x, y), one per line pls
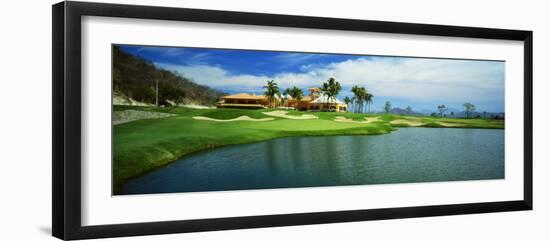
(144, 145)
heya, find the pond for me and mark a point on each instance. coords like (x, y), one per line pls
(407, 155)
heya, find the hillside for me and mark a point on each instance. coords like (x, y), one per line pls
(135, 78)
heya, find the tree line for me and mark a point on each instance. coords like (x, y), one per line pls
(330, 89)
(469, 110)
(360, 102)
(361, 96)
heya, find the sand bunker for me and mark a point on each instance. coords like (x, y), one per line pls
(283, 114)
(406, 122)
(366, 121)
(448, 124)
(240, 118)
(373, 119)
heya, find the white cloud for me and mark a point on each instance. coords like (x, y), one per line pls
(411, 78)
(291, 59)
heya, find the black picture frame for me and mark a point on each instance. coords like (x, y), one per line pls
(66, 128)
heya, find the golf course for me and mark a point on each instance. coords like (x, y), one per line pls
(146, 138)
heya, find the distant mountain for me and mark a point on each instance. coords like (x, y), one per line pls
(426, 111)
(136, 79)
(430, 111)
(401, 111)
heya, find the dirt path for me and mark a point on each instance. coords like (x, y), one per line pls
(283, 114)
(240, 118)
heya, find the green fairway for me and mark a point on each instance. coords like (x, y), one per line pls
(143, 145)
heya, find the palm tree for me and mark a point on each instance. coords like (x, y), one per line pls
(330, 89)
(353, 104)
(347, 100)
(271, 91)
(362, 96)
(368, 99)
(356, 90)
(287, 93)
(296, 93)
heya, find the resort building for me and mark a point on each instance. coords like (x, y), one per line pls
(243, 100)
(315, 101)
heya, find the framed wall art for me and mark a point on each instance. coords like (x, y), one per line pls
(169, 120)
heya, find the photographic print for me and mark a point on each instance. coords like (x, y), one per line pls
(188, 119)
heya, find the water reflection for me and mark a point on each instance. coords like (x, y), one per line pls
(407, 155)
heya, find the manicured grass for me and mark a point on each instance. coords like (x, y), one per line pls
(212, 113)
(143, 145)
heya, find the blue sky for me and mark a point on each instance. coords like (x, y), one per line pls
(236, 61)
(422, 83)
